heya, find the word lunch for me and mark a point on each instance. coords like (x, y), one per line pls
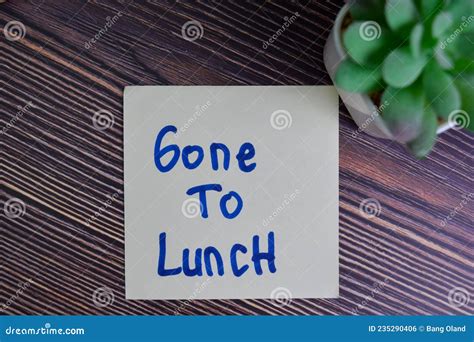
(211, 253)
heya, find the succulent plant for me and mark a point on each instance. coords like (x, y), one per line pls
(419, 55)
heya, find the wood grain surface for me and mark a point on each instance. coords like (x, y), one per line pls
(414, 257)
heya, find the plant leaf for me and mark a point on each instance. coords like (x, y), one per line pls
(366, 42)
(465, 85)
(355, 78)
(441, 93)
(460, 45)
(460, 10)
(425, 141)
(401, 68)
(416, 38)
(441, 24)
(403, 112)
(429, 8)
(367, 10)
(400, 14)
(443, 59)
(464, 68)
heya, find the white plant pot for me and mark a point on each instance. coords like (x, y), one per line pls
(360, 106)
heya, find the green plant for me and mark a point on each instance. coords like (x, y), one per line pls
(419, 54)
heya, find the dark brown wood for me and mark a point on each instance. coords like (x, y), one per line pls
(402, 261)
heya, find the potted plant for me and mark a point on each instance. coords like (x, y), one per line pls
(405, 68)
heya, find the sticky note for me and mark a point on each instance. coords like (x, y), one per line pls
(231, 192)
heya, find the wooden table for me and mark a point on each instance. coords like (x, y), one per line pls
(405, 260)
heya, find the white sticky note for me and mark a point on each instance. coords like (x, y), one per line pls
(271, 229)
